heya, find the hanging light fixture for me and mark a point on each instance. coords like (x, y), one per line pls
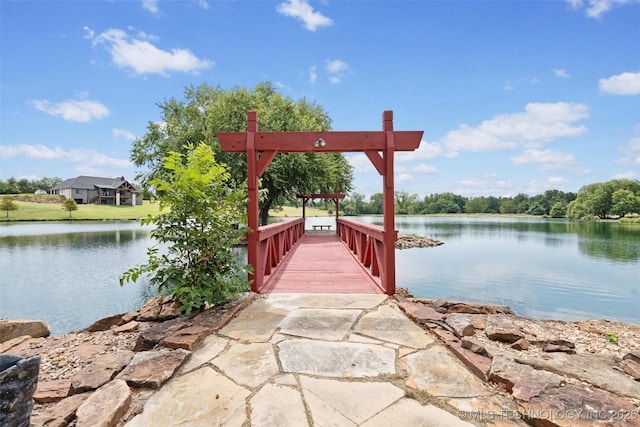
(320, 143)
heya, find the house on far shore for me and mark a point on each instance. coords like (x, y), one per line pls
(99, 191)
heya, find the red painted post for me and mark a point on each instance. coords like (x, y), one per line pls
(252, 206)
(389, 264)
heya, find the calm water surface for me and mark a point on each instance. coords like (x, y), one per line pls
(541, 268)
(67, 273)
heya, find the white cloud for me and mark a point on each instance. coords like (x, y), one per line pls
(337, 69)
(144, 58)
(546, 159)
(75, 110)
(424, 168)
(561, 73)
(625, 175)
(124, 134)
(203, 4)
(621, 84)
(360, 162)
(539, 123)
(302, 10)
(83, 156)
(426, 151)
(404, 178)
(151, 6)
(553, 182)
(631, 150)
(313, 75)
(486, 184)
(597, 8)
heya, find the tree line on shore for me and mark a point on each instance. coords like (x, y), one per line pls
(27, 186)
(615, 198)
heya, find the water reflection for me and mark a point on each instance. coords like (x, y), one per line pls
(70, 279)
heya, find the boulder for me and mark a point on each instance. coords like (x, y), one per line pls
(155, 335)
(521, 344)
(104, 324)
(10, 329)
(461, 324)
(151, 309)
(502, 328)
(60, 414)
(150, 369)
(127, 327)
(632, 368)
(188, 338)
(473, 345)
(52, 391)
(102, 370)
(106, 406)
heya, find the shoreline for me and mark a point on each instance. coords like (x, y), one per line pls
(492, 342)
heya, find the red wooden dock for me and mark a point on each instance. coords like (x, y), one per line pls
(321, 263)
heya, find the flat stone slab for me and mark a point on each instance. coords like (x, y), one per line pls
(355, 301)
(289, 412)
(389, 324)
(336, 359)
(440, 374)
(213, 345)
(325, 324)
(201, 398)
(250, 365)
(355, 401)
(596, 369)
(150, 369)
(105, 406)
(408, 412)
(256, 323)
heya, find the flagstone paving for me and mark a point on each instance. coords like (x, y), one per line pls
(320, 360)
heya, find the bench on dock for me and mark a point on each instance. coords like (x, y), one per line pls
(321, 227)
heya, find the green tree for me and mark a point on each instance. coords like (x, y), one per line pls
(206, 111)
(375, 203)
(558, 210)
(69, 205)
(7, 203)
(198, 223)
(624, 202)
(404, 201)
(508, 206)
(476, 205)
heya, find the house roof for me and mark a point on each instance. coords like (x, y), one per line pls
(91, 182)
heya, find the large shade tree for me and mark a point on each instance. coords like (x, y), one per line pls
(206, 110)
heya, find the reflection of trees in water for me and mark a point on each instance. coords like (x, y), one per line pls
(86, 240)
(603, 240)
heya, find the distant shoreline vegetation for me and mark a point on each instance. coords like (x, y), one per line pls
(612, 200)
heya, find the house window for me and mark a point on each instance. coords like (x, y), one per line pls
(78, 191)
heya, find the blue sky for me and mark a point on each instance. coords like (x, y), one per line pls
(513, 96)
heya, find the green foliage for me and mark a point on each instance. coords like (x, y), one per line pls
(617, 197)
(7, 203)
(611, 337)
(25, 186)
(558, 210)
(69, 205)
(207, 110)
(198, 223)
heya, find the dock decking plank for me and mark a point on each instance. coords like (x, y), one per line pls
(320, 263)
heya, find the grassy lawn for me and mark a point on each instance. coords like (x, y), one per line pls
(33, 211)
(29, 211)
(290, 211)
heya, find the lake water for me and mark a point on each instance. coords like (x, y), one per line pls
(67, 273)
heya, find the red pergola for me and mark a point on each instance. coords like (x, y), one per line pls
(378, 146)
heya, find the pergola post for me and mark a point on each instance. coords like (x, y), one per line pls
(388, 194)
(253, 203)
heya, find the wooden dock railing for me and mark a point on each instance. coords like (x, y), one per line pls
(274, 241)
(367, 242)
